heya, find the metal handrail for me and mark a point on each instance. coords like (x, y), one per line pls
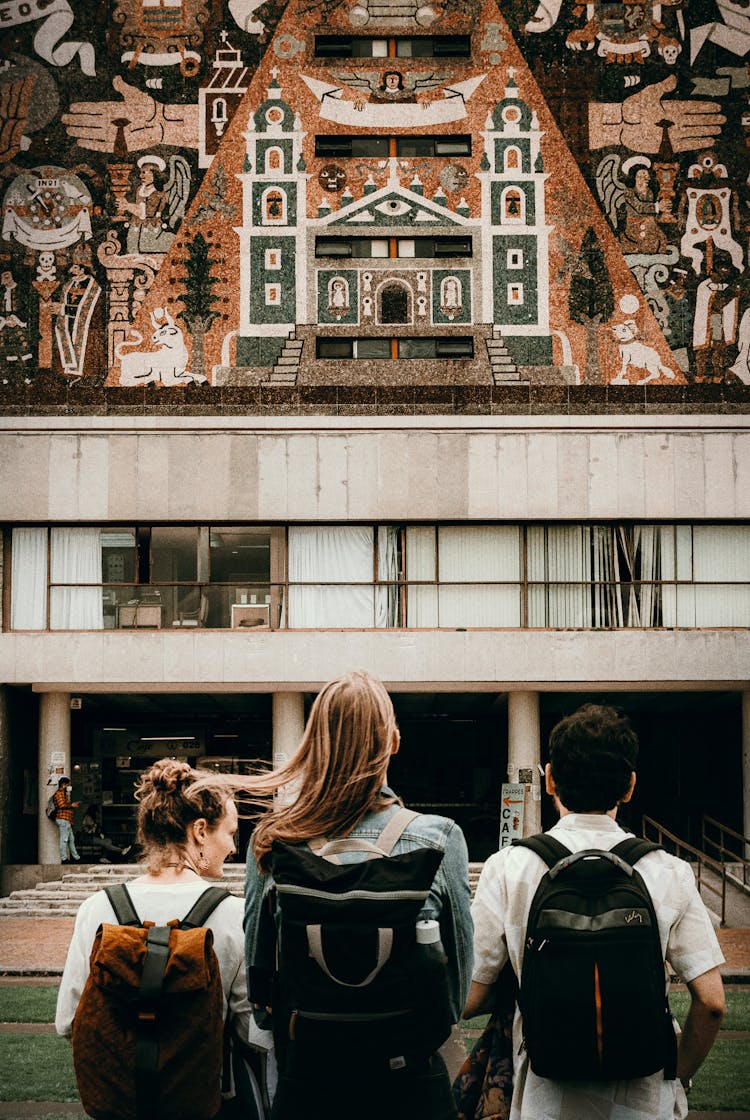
(727, 854)
(699, 858)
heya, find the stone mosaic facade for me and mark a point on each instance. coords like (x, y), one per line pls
(296, 201)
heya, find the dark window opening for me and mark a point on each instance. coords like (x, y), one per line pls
(454, 346)
(394, 304)
(347, 147)
(423, 46)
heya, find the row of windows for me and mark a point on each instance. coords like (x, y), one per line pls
(557, 576)
(360, 46)
(332, 146)
(396, 348)
(381, 247)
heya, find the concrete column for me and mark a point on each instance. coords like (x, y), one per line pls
(524, 752)
(288, 716)
(54, 761)
(746, 768)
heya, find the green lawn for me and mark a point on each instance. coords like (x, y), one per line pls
(40, 1067)
(28, 1004)
(36, 1068)
(738, 1009)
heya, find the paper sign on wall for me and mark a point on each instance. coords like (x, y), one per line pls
(511, 812)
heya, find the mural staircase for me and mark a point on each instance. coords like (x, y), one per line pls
(61, 898)
(504, 369)
(287, 364)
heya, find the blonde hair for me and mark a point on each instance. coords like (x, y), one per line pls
(337, 772)
(171, 795)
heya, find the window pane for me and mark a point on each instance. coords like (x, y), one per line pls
(333, 46)
(118, 555)
(453, 247)
(369, 145)
(373, 348)
(415, 146)
(241, 556)
(454, 348)
(456, 46)
(416, 348)
(174, 554)
(328, 146)
(333, 247)
(453, 146)
(333, 347)
(28, 603)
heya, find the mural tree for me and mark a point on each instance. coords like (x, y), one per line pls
(591, 299)
(198, 298)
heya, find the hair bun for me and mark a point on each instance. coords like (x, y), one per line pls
(168, 775)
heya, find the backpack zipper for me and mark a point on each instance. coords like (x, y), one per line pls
(598, 1011)
(350, 1017)
(374, 896)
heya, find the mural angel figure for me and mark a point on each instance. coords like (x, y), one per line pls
(159, 205)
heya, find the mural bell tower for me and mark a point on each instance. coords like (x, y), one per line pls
(515, 238)
(272, 242)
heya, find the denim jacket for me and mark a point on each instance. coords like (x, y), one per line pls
(448, 901)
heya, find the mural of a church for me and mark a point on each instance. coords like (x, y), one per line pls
(375, 192)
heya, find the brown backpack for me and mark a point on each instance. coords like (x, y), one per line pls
(148, 1031)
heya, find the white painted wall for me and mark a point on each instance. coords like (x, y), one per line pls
(213, 469)
(205, 661)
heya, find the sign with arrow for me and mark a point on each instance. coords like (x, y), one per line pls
(511, 812)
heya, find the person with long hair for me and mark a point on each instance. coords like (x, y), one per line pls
(335, 787)
(186, 823)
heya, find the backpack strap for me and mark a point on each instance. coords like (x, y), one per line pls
(394, 829)
(204, 907)
(122, 904)
(546, 847)
(631, 849)
(383, 846)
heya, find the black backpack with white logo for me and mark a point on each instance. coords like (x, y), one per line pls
(352, 977)
(593, 991)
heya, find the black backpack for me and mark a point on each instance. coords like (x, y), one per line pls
(593, 992)
(352, 978)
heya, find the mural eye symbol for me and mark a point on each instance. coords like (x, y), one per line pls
(393, 207)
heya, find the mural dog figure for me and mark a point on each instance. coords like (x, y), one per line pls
(637, 355)
(166, 365)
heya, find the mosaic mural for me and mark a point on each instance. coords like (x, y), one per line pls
(351, 192)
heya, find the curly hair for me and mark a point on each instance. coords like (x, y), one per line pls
(592, 754)
(169, 799)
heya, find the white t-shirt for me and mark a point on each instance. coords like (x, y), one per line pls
(500, 911)
(159, 903)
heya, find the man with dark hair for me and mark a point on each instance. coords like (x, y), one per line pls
(591, 771)
(64, 820)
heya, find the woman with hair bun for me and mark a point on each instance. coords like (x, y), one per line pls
(186, 823)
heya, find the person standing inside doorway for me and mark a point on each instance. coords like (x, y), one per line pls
(64, 819)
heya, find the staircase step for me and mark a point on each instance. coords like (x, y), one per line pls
(62, 898)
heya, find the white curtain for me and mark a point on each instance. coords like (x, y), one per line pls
(721, 553)
(606, 575)
(475, 555)
(28, 597)
(421, 601)
(559, 563)
(75, 559)
(648, 544)
(331, 554)
(386, 598)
